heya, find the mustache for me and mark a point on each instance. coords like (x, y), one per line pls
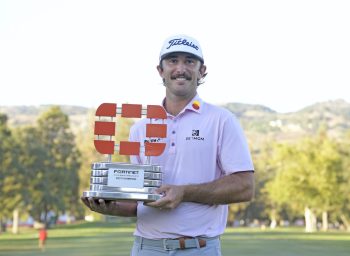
(184, 75)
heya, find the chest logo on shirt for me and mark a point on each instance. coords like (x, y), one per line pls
(195, 136)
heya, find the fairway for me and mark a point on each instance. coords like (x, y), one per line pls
(93, 239)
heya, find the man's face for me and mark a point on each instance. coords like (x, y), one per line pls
(180, 73)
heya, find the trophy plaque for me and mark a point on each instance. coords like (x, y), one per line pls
(126, 181)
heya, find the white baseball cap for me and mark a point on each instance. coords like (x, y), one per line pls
(181, 43)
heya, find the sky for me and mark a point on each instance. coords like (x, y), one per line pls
(285, 55)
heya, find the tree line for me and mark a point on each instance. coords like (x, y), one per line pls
(305, 179)
(39, 167)
(45, 167)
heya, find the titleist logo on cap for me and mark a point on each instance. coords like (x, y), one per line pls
(180, 41)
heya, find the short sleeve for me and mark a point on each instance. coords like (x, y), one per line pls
(233, 150)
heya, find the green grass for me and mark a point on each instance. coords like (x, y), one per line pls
(286, 242)
(90, 239)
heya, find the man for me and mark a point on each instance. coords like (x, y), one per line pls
(206, 164)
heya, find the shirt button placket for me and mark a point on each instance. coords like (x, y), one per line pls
(173, 136)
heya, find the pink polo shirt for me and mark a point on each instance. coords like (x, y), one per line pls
(204, 142)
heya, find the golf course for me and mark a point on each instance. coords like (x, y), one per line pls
(103, 238)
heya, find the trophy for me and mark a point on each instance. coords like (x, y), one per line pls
(126, 181)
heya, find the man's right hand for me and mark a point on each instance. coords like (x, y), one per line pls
(111, 207)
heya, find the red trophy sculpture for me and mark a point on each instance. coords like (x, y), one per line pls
(114, 181)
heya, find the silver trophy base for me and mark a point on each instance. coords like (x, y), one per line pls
(149, 179)
(122, 196)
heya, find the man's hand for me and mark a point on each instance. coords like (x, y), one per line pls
(173, 196)
(234, 188)
(110, 207)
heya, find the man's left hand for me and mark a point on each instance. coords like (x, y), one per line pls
(173, 196)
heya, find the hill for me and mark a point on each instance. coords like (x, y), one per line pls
(27, 115)
(259, 122)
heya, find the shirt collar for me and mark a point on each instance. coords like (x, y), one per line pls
(195, 105)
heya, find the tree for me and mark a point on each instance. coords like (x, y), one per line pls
(259, 207)
(308, 177)
(9, 173)
(51, 159)
(31, 158)
(344, 208)
(265, 172)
